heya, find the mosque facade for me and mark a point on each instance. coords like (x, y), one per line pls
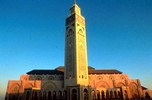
(75, 80)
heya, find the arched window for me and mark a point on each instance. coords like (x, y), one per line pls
(35, 96)
(111, 94)
(65, 95)
(44, 95)
(40, 95)
(20, 98)
(115, 94)
(86, 97)
(98, 95)
(70, 32)
(119, 94)
(60, 95)
(80, 32)
(107, 94)
(28, 95)
(54, 95)
(93, 96)
(147, 96)
(49, 95)
(103, 95)
(14, 97)
(133, 90)
(74, 94)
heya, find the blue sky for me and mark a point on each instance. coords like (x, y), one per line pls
(119, 36)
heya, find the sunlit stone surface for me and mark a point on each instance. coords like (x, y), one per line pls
(75, 80)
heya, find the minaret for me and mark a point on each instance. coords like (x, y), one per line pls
(76, 63)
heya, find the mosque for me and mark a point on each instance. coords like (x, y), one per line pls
(75, 80)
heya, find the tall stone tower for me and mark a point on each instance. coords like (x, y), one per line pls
(76, 65)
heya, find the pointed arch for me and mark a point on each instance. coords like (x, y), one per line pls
(103, 95)
(107, 94)
(27, 95)
(54, 95)
(44, 95)
(49, 95)
(65, 95)
(70, 32)
(93, 95)
(49, 85)
(120, 84)
(133, 89)
(98, 95)
(102, 84)
(60, 95)
(74, 94)
(86, 95)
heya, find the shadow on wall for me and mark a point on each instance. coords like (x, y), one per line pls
(37, 95)
(58, 95)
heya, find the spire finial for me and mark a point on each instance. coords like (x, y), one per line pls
(74, 1)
